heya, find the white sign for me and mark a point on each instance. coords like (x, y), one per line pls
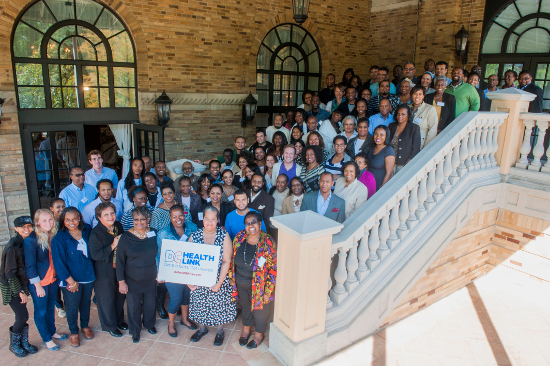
(189, 263)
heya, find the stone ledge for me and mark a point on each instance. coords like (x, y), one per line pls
(384, 5)
(195, 101)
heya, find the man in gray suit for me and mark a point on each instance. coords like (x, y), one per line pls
(324, 202)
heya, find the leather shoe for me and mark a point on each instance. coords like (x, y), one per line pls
(218, 341)
(122, 326)
(243, 341)
(115, 333)
(135, 338)
(252, 344)
(88, 333)
(198, 335)
(75, 340)
(152, 330)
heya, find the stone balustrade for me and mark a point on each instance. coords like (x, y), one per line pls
(532, 121)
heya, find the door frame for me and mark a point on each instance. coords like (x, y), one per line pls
(136, 137)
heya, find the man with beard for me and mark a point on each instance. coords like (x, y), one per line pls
(321, 114)
(234, 222)
(383, 93)
(526, 84)
(105, 194)
(278, 122)
(324, 202)
(160, 172)
(260, 200)
(382, 76)
(187, 168)
(327, 94)
(466, 96)
(348, 106)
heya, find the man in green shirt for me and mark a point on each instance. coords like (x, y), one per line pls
(466, 96)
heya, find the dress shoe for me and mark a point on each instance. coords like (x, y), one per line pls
(122, 326)
(152, 330)
(135, 338)
(198, 335)
(88, 333)
(75, 340)
(243, 341)
(193, 326)
(218, 341)
(252, 344)
(115, 333)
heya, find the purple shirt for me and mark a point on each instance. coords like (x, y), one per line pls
(290, 173)
(368, 180)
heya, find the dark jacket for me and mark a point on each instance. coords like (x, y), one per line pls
(264, 204)
(326, 95)
(225, 208)
(344, 109)
(350, 148)
(336, 207)
(37, 260)
(536, 105)
(12, 269)
(196, 203)
(447, 111)
(68, 261)
(409, 142)
(484, 103)
(100, 250)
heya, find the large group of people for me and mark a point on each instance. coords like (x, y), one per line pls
(103, 235)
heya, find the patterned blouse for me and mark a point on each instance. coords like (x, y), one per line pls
(311, 177)
(264, 277)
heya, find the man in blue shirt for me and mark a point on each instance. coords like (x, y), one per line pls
(441, 68)
(98, 171)
(234, 221)
(382, 118)
(321, 114)
(78, 194)
(105, 194)
(382, 76)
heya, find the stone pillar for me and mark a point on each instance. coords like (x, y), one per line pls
(297, 335)
(510, 136)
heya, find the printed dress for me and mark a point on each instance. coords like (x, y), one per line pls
(208, 307)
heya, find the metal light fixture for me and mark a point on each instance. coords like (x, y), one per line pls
(164, 106)
(300, 8)
(1, 104)
(249, 109)
(461, 44)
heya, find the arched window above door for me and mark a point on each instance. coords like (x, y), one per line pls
(73, 54)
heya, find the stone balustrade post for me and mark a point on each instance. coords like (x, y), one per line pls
(297, 335)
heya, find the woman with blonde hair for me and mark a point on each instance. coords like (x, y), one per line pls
(42, 278)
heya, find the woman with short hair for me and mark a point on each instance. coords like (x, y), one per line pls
(293, 202)
(339, 98)
(334, 163)
(138, 196)
(381, 157)
(348, 125)
(424, 115)
(279, 192)
(444, 103)
(228, 187)
(348, 188)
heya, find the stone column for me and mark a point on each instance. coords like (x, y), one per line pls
(297, 335)
(512, 101)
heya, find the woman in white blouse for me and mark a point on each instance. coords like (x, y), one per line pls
(348, 188)
(280, 193)
(292, 203)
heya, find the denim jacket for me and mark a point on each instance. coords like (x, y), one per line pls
(170, 233)
(68, 261)
(37, 260)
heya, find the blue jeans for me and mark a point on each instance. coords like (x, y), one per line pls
(44, 310)
(179, 295)
(78, 301)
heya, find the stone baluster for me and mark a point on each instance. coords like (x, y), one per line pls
(430, 189)
(490, 131)
(383, 235)
(403, 216)
(393, 240)
(483, 143)
(526, 145)
(475, 158)
(495, 143)
(329, 301)
(351, 265)
(439, 178)
(338, 292)
(538, 151)
(447, 170)
(455, 163)
(363, 254)
(422, 197)
(413, 205)
(374, 243)
(463, 167)
(470, 163)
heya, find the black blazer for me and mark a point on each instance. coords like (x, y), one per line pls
(484, 103)
(225, 208)
(447, 111)
(350, 148)
(264, 204)
(100, 250)
(536, 105)
(409, 142)
(196, 202)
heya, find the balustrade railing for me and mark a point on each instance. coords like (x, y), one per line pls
(534, 143)
(378, 228)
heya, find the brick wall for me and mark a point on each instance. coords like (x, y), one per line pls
(494, 238)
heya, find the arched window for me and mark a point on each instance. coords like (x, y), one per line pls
(73, 54)
(288, 63)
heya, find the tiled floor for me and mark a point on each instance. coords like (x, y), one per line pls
(500, 319)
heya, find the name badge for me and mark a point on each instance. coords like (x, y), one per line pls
(417, 120)
(208, 199)
(230, 198)
(441, 104)
(192, 188)
(261, 262)
(183, 238)
(84, 200)
(200, 215)
(151, 234)
(242, 180)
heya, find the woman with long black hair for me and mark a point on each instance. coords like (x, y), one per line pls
(134, 178)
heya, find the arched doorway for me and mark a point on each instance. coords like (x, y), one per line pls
(288, 63)
(518, 37)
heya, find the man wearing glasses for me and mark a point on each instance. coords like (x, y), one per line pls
(482, 85)
(78, 194)
(525, 83)
(408, 73)
(383, 73)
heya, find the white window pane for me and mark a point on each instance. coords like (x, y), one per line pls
(527, 7)
(526, 25)
(493, 41)
(284, 33)
(545, 6)
(508, 17)
(534, 41)
(511, 48)
(544, 23)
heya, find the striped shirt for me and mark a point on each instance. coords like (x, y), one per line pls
(127, 221)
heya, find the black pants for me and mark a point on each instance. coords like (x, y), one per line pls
(78, 303)
(258, 318)
(59, 302)
(110, 303)
(21, 314)
(134, 303)
(161, 292)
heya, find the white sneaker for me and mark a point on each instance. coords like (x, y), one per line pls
(62, 313)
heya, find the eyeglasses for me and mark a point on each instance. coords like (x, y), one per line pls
(339, 145)
(476, 70)
(78, 175)
(251, 223)
(409, 69)
(139, 220)
(379, 74)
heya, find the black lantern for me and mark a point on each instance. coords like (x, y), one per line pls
(163, 109)
(461, 44)
(300, 8)
(249, 109)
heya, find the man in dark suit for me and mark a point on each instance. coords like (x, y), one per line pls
(324, 202)
(525, 83)
(260, 200)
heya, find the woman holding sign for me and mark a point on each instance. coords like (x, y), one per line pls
(178, 229)
(213, 306)
(252, 274)
(136, 271)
